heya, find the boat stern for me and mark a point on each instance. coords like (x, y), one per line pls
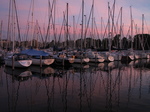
(25, 63)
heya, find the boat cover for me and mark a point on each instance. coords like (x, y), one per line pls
(33, 52)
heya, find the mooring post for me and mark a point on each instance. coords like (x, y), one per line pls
(63, 60)
(13, 63)
(40, 61)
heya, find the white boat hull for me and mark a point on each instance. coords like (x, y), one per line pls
(109, 58)
(131, 57)
(97, 60)
(42, 61)
(95, 57)
(18, 63)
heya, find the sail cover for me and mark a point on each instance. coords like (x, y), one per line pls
(33, 52)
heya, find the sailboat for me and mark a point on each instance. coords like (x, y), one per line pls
(80, 55)
(109, 57)
(64, 57)
(15, 59)
(129, 55)
(143, 55)
(95, 57)
(39, 57)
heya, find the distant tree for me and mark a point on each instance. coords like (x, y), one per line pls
(105, 43)
(116, 41)
(125, 43)
(142, 41)
(98, 43)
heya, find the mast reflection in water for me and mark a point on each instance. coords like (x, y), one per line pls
(109, 87)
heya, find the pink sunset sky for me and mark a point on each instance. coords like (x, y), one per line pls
(139, 7)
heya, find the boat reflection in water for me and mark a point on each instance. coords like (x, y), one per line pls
(106, 87)
(44, 71)
(19, 74)
(80, 66)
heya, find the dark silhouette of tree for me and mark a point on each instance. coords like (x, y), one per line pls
(125, 43)
(142, 41)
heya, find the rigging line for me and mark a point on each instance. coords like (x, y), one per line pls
(118, 19)
(126, 37)
(50, 16)
(29, 10)
(122, 30)
(8, 29)
(105, 27)
(40, 32)
(105, 30)
(135, 25)
(116, 27)
(17, 21)
(78, 18)
(65, 28)
(32, 23)
(108, 25)
(63, 23)
(53, 22)
(147, 27)
(86, 29)
(1, 31)
(27, 26)
(142, 40)
(128, 31)
(96, 29)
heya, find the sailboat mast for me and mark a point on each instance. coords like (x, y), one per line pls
(120, 43)
(13, 28)
(97, 33)
(8, 29)
(142, 32)
(64, 26)
(112, 27)
(1, 34)
(74, 32)
(32, 15)
(17, 21)
(109, 33)
(92, 42)
(102, 45)
(67, 33)
(84, 31)
(131, 28)
(82, 23)
(54, 28)
(142, 23)
(50, 11)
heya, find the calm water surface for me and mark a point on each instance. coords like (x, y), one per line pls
(104, 87)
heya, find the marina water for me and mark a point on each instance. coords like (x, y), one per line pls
(103, 87)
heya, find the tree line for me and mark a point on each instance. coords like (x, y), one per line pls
(139, 42)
